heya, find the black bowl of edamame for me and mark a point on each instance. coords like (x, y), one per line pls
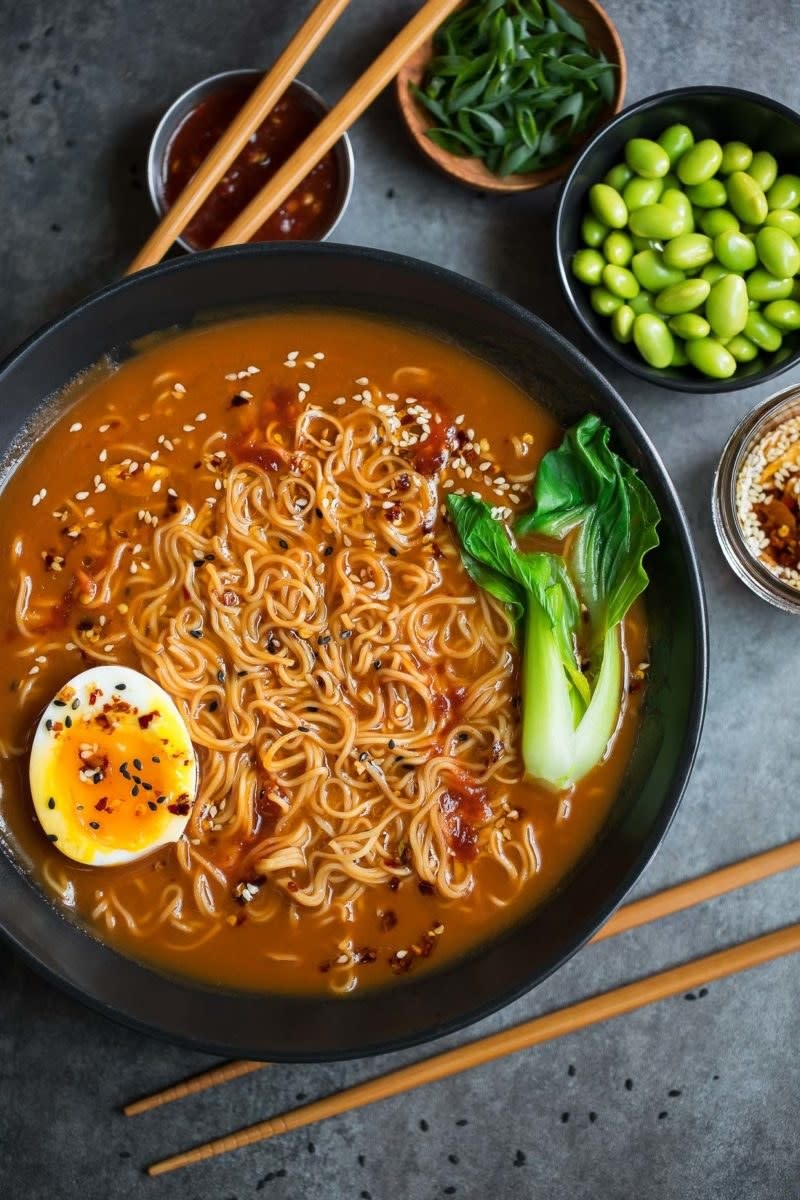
(677, 239)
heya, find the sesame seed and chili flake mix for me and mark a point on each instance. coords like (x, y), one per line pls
(165, 431)
(768, 501)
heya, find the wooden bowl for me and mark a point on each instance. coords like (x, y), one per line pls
(601, 35)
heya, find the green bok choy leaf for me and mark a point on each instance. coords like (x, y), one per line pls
(585, 493)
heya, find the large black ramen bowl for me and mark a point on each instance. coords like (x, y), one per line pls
(233, 282)
(723, 113)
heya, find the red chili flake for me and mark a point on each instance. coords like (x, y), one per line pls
(101, 804)
(464, 807)
(403, 482)
(387, 920)
(433, 454)
(393, 884)
(427, 889)
(402, 964)
(93, 694)
(394, 513)
(229, 599)
(497, 751)
(436, 551)
(146, 719)
(367, 954)
(179, 807)
(292, 886)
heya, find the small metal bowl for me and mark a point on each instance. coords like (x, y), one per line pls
(175, 115)
(744, 562)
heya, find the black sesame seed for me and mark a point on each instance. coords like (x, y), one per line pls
(462, 737)
(377, 664)
(284, 545)
(424, 1126)
(592, 1117)
(519, 1159)
(68, 722)
(661, 1115)
(673, 1092)
(628, 1085)
(393, 551)
(209, 557)
(571, 1070)
(94, 824)
(564, 1118)
(462, 1121)
(137, 762)
(303, 729)
(346, 633)
(155, 759)
(449, 1190)
(703, 992)
(328, 551)
(151, 804)
(52, 837)
(454, 1159)
(75, 704)
(48, 725)
(148, 787)
(324, 640)
(199, 562)
(363, 756)
(120, 687)
(392, 743)
(98, 778)
(195, 633)
(161, 799)
(213, 706)
(51, 803)
(220, 676)
(361, 1160)
(135, 790)
(60, 703)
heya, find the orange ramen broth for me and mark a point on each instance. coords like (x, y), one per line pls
(383, 918)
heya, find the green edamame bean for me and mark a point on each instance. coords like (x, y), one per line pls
(711, 358)
(647, 158)
(593, 232)
(643, 303)
(785, 192)
(727, 306)
(735, 251)
(679, 356)
(653, 340)
(746, 198)
(783, 314)
(710, 194)
(759, 330)
(648, 267)
(640, 191)
(679, 202)
(618, 176)
(700, 163)
(713, 272)
(778, 252)
(608, 206)
(782, 218)
(682, 297)
(764, 169)
(689, 326)
(689, 251)
(604, 302)
(736, 156)
(676, 140)
(752, 304)
(656, 221)
(622, 323)
(761, 286)
(716, 221)
(620, 281)
(618, 249)
(587, 265)
(742, 349)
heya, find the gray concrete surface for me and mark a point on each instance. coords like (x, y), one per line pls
(690, 1101)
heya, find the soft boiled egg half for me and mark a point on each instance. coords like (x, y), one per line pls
(113, 771)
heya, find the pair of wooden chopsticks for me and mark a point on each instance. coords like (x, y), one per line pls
(598, 1008)
(326, 134)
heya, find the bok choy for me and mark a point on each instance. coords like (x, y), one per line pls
(568, 608)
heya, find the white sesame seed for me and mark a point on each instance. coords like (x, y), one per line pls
(201, 416)
(179, 388)
(103, 428)
(81, 495)
(293, 354)
(75, 427)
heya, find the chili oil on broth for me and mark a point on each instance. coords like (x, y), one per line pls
(251, 514)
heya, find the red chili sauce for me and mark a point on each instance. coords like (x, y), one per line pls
(307, 212)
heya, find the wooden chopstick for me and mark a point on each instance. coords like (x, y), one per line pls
(631, 916)
(198, 1083)
(598, 1008)
(338, 121)
(255, 111)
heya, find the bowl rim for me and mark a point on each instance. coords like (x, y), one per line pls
(435, 1025)
(187, 101)
(679, 383)
(514, 184)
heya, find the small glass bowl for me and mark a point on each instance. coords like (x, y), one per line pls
(747, 434)
(189, 100)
